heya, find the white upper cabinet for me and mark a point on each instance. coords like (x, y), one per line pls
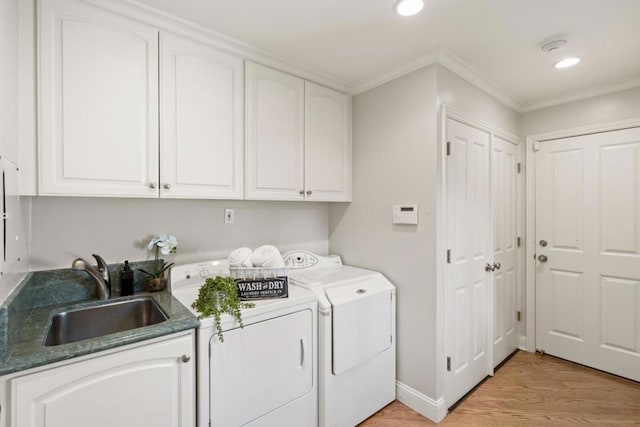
(275, 134)
(298, 138)
(327, 165)
(201, 126)
(98, 103)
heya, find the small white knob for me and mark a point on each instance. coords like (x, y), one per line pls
(167, 186)
(153, 185)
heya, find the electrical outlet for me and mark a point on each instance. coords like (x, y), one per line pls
(228, 216)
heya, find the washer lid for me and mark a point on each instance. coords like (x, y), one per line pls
(362, 323)
(328, 276)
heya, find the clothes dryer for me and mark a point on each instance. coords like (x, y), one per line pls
(356, 336)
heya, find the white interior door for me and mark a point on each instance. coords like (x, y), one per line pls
(504, 165)
(588, 268)
(469, 242)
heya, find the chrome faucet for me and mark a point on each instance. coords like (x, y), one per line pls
(99, 274)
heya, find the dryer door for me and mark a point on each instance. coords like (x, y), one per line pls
(260, 368)
(362, 327)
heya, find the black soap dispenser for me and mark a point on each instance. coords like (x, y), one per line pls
(126, 280)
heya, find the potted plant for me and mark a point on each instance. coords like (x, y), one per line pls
(156, 279)
(218, 296)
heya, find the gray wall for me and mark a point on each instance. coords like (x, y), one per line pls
(456, 92)
(599, 109)
(64, 228)
(396, 160)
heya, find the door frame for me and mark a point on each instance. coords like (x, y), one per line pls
(449, 112)
(531, 141)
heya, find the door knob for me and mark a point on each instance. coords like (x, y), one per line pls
(489, 267)
(167, 186)
(153, 185)
(497, 265)
(302, 192)
(543, 243)
(309, 192)
(185, 358)
(542, 258)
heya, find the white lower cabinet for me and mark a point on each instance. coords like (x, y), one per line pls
(145, 386)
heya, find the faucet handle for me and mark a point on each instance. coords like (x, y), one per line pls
(103, 269)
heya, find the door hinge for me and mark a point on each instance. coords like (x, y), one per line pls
(518, 241)
(448, 364)
(209, 422)
(448, 148)
(518, 315)
(519, 167)
(448, 256)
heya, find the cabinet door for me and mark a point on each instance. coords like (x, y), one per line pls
(201, 131)
(275, 134)
(261, 368)
(149, 386)
(327, 144)
(98, 109)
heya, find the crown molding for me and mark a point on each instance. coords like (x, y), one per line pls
(442, 56)
(165, 21)
(465, 71)
(583, 94)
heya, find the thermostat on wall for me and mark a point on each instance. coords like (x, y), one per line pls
(405, 214)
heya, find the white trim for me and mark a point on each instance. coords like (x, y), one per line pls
(456, 65)
(468, 119)
(578, 95)
(531, 140)
(435, 410)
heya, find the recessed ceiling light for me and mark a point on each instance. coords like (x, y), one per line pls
(408, 7)
(567, 62)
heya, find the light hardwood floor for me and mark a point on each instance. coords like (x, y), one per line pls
(534, 390)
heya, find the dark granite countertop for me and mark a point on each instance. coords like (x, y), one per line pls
(24, 319)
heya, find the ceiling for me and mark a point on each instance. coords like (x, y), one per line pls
(359, 42)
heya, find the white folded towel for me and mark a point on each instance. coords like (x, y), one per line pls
(241, 257)
(267, 256)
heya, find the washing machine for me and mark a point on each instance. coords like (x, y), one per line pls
(262, 375)
(356, 336)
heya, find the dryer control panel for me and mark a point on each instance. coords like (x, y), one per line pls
(303, 259)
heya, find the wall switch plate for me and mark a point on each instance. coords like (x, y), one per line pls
(228, 216)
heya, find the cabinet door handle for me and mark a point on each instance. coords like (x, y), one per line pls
(301, 352)
(489, 267)
(153, 185)
(302, 192)
(309, 192)
(185, 358)
(497, 265)
(167, 186)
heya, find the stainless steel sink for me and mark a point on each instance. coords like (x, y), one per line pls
(96, 321)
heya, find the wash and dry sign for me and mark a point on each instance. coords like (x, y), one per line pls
(277, 287)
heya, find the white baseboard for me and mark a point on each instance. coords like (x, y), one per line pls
(435, 410)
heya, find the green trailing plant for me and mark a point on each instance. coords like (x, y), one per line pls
(218, 296)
